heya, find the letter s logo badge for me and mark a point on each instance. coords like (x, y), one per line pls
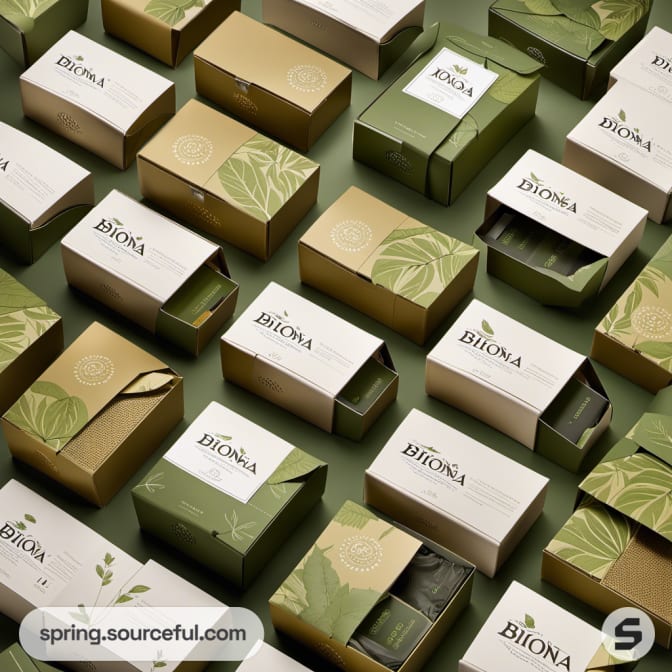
(628, 634)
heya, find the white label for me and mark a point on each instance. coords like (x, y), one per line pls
(568, 203)
(33, 177)
(525, 631)
(228, 452)
(451, 82)
(451, 472)
(631, 130)
(375, 18)
(303, 338)
(506, 355)
(97, 79)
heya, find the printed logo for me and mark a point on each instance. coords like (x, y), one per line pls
(456, 77)
(536, 54)
(360, 553)
(281, 325)
(220, 444)
(93, 370)
(664, 64)
(192, 150)
(652, 322)
(4, 164)
(351, 235)
(16, 533)
(76, 66)
(535, 185)
(307, 78)
(524, 636)
(628, 634)
(619, 127)
(68, 123)
(115, 230)
(432, 459)
(483, 339)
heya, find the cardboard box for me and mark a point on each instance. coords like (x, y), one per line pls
(95, 415)
(577, 42)
(15, 659)
(407, 275)
(436, 126)
(310, 362)
(268, 658)
(369, 38)
(616, 548)
(42, 194)
(96, 98)
(520, 382)
(167, 31)
(454, 490)
(635, 337)
(624, 143)
(228, 493)
(227, 179)
(526, 632)
(354, 591)
(648, 64)
(162, 276)
(28, 29)
(555, 235)
(31, 337)
(286, 89)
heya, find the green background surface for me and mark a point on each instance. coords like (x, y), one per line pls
(557, 113)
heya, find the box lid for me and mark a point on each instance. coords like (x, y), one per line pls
(109, 86)
(453, 473)
(34, 177)
(284, 67)
(173, 15)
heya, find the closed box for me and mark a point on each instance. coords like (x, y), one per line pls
(28, 29)
(168, 31)
(286, 89)
(635, 337)
(167, 279)
(310, 362)
(31, 337)
(371, 595)
(437, 125)
(555, 235)
(368, 38)
(234, 183)
(577, 42)
(95, 415)
(96, 98)
(228, 493)
(454, 490)
(520, 382)
(624, 143)
(404, 273)
(42, 194)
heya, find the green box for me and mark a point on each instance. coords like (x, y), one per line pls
(437, 143)
(15, 659)
(577, 45)
(228, 493)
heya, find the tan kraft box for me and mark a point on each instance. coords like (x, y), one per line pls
(286, 89)
(96, 414)
(96, 98)
(166, 30)
(390, 266)
(228, 180)
(369, 36)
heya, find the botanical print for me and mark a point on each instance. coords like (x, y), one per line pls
(17, 11)
(296, 464)
(174, 11)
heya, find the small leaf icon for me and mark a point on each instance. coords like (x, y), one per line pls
(109, 559)
(139, 589)
(29, 518)
(20, 525)
(636, 130)
(487, 328)
(117, 222)
(99, 571)
(529, 621)
(284, 312)
(621, 115)
(79, 58)
(242, 451)
(221, 437)
(535, 179)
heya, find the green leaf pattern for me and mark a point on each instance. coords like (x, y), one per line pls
(12, 9)
(171, 11)
(295, 465)
(353, 515)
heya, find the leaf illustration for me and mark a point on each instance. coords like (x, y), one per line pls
(389, 530)
(618, 16)
(14, 296)
(529, 622)
(487, 328)
(655, 349)
(536, 179)
(353, 515)
(123, 598)
(322, 585)
(621, 115)
(221, 437)
(508, 86)
(171, 11)
(292, 593)
(29, 518)
(152, 483)
(20, 525)
(237, 530)
(295, 465)
(464, 133)
(100, 571)
(109, 559)
(139, 589)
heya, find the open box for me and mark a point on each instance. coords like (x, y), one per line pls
(554, 234)
(370, 596)
(520, 382)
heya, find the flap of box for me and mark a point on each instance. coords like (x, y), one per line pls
(296, 466)
(351, 566)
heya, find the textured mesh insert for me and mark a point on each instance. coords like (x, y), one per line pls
(98, 440)
(643, 573)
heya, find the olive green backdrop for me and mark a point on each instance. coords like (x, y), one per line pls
(557, 113)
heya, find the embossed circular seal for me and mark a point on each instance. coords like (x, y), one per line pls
(351, 235)
(654, 322)
(192, 149)
(94, 370)
(360, 553)
(307, 78)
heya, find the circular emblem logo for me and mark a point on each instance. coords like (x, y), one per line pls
(360, 553)
(351, 235)
(94, 370)
(192, 150)
(307, 78)
(536, 54)
(654, 322)
(628, 634)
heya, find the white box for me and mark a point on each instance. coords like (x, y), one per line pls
(454, 490)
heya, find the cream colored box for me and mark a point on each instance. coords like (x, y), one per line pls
(286, 89)
(225, 178)
(96, 98)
